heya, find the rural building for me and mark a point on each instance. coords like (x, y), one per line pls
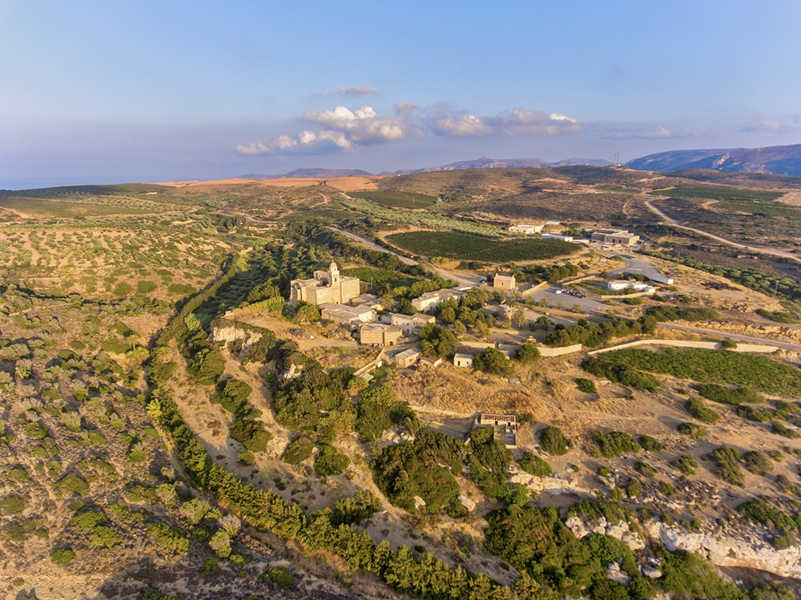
(558, 236)
(411, 324)
(614, 237)
(370, 300)
(406, 358)
(525, 228)
(504, 283)
(327, 287)
(463, 360)
(347, 314)
(430, 361)
(504, 427)
(622, 284)
(378, 334)
(432, 299)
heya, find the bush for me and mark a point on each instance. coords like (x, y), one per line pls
(618, 372)
(436, 340)
(330, 461)
(553, 441)
(586, 385)
(686, 464)
(696, 432)
(648, 443)
(614, 443)
(697, 409)
(725, 461)
(528, 353)
(757, 462)
(533, 464)
(298, 450)
(62, 556)
(378, 410)
(728, 395)
(492, 360)
(12, 505)
(281, 577)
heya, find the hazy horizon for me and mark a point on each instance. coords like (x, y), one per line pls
(105, 94)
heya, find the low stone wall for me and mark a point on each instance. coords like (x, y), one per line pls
(550, 351)
(741, 347)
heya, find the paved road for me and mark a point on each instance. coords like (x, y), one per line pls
(758, 249)
(459, 278)
(733, 336)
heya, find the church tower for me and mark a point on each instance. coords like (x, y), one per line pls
(333, 274)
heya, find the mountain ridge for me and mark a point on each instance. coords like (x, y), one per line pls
(774, 160)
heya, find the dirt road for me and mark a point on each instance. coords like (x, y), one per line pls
(759, 249)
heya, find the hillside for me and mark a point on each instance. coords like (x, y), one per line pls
(777, 160)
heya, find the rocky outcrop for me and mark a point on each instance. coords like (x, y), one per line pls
(620, 531)
(745, 547)
(224, 331)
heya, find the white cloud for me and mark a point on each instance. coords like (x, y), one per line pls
(362, 90)
(343, 128)
(521, 121)
(461, 125)
(641, 132)
(780, 125)
(363, 125)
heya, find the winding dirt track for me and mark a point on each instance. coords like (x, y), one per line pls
(759, 249)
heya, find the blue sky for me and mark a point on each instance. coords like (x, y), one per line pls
(121, 91)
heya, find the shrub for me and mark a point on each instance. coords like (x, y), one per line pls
(298, 450)
(62, 556)
(168, 539)
(693, 430)
(633, 488)
(533, 464)
(73, 484)
(757, 462)
(436, 340)
(619, 372)
(281, 577)
(586, 385)
(553, 441)
(615, 443)
(645, 469)
(528, 353)
(144, 287)
(728, 395)
(783, 430)
(492, 360)
(12, 505)
(648, 443)
(686, 464)
(697, 409)
(378, 410)
(725, 459)
(330, 461)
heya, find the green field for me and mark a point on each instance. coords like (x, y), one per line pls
(396, 199)
(451, 244)
(715, 366)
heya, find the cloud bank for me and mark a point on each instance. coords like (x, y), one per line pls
(343, 129)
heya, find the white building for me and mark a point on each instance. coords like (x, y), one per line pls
(347, 314)
(525, 228)
(411, 324)
(558, 236)
(432, 299)
(618, 285)
(461, 359)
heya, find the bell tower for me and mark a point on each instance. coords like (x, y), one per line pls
(333, 274)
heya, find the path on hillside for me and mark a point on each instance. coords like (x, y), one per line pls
(733, 336)
(460, 279)
(758, 249)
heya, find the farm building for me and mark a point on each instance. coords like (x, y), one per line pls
(378, 334)
(411, 324)
(406, 358)
(615, 237)
(525, 228)
(461, 359)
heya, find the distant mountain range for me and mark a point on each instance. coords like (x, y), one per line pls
(775, 160)
(311, 172)
(505, 163)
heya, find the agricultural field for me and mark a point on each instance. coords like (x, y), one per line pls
(396, 199)
(471, 247)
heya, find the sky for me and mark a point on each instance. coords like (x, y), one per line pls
(108, 91)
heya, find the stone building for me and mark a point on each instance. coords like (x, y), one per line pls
(378, 334)
(411, 324)
(504, 283)
(327, 287)
(615, 237)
